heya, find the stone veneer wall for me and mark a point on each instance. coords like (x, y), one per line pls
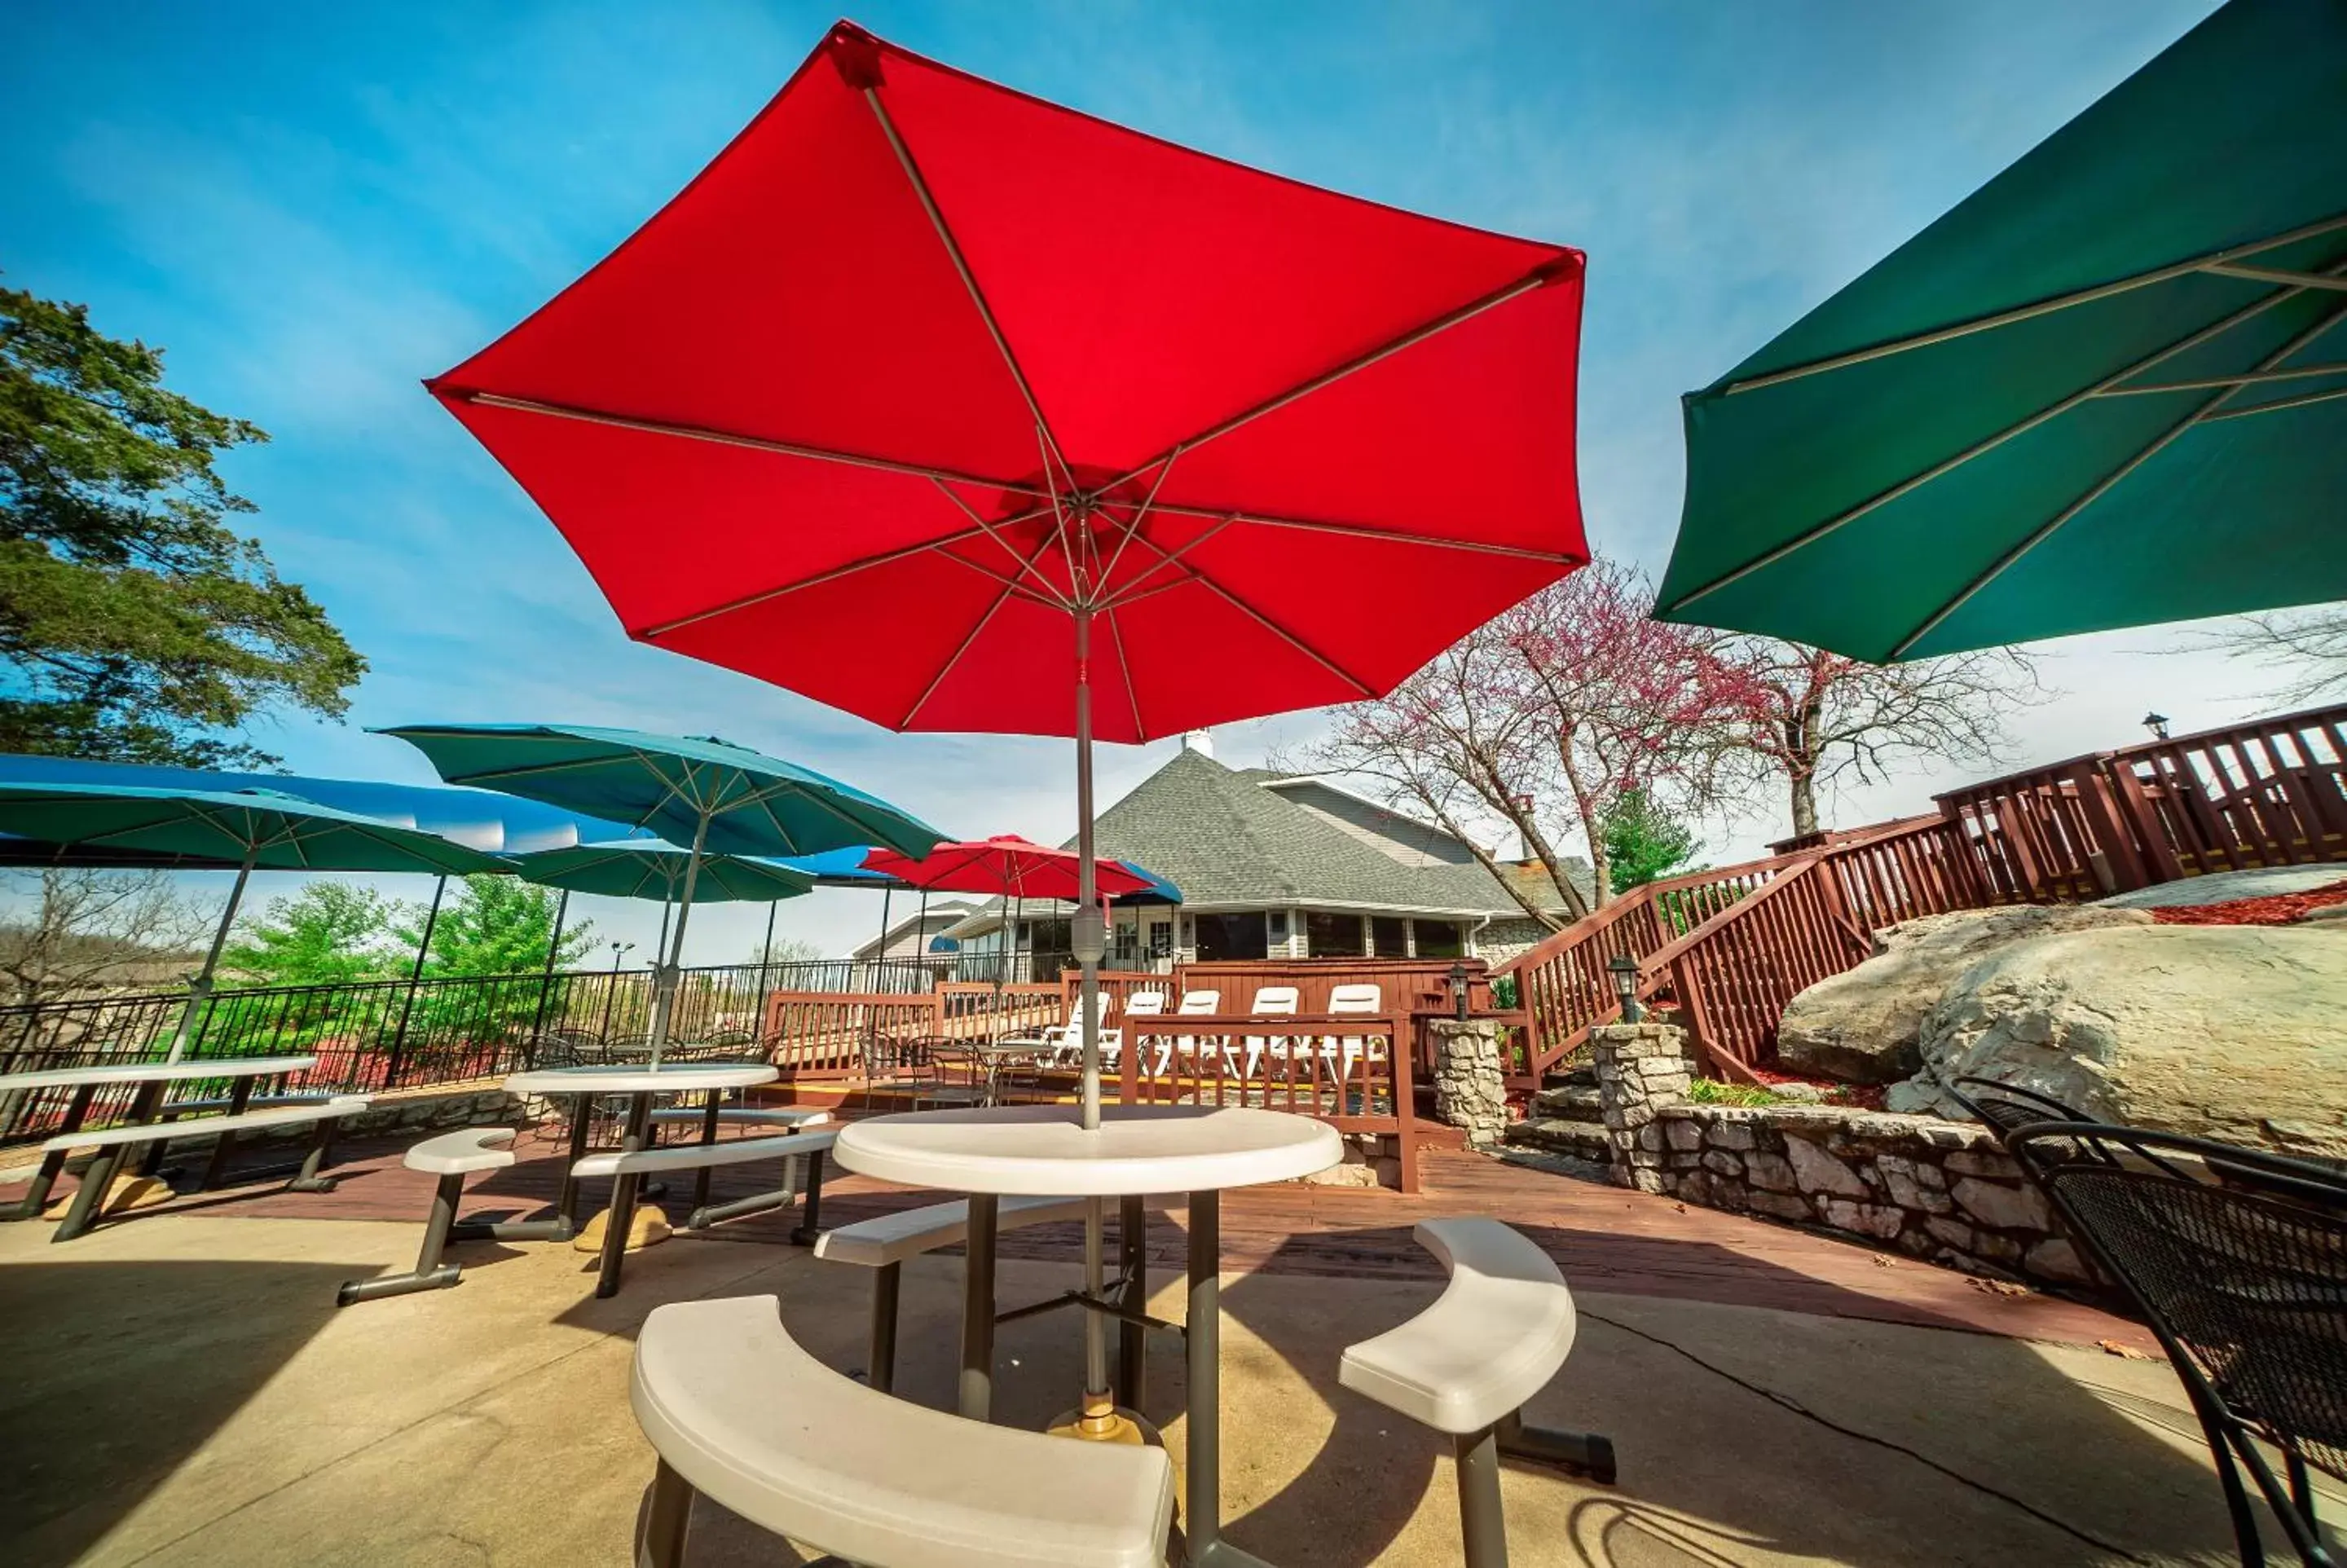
(1470, 1082)
(415, 1113)
(1942, 1190)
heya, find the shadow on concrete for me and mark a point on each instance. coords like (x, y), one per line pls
(119, 1372)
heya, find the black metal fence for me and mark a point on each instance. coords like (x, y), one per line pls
(370, 1036)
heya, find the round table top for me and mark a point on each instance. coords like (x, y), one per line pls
(669, 1078)
(1029, 1150)
(158, 1071)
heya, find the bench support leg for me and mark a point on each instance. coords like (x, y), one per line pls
(429, 1273)
(240, 1099)
(811, 1227)
(978, 1308)
(1131, 1336)
(37, 1196)
(666, 1519)
(1481, 1518)
(565, 1201)
(1583, 1453)
(94, 1183)
(321, 1150)
(881, 1365)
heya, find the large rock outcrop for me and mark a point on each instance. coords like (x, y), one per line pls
(2222, 1031)
(1864, 1025)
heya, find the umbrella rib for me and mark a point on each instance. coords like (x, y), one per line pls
(969, 641)
(1141, 513)
(2301, 400)
(1124, 668)
(2247, 378)
(750, 602)
(1011, 585)
(732, 438)
(2212, 262)
(960, 263)
(1026, 563)
(1166, 558)
(1948, 465)
(1354, 530)
(1539, 278)
(1266, 623)
(2103, 486)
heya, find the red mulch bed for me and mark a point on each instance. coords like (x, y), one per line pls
(2275, 909)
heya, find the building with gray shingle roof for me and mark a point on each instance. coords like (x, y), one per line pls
(1294, 866)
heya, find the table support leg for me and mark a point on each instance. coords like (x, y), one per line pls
(1201, 1514)
(707, 1136)
(37, 1196)
(240, 1099)
(566, 1201)
(98, 1181)
(622, 1213)
(978, 1308)
(1132, 1338)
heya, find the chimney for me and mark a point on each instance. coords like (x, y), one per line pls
(1199, 741)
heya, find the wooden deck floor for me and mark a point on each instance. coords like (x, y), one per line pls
(1605, 1238)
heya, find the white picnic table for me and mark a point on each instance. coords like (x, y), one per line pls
(1001, 1151)
(150, 1079)
(641, 1084)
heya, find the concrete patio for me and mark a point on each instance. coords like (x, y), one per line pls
(194, 1398)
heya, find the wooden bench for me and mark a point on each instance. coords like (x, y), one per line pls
(451, 1157)
(1467, 1365)
(810, 1147)
(886, 1242)
(116, 1145)
(741, 1414)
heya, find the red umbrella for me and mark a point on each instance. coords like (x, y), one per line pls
(924, 389)
(1006, 864)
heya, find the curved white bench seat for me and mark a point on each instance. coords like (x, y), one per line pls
(692, 1156)
(451, 1157)
(165, 1131)
(885, 1241)
(740, 1413)
(466, 1149)
(625, 1164)
(1467, 1365)
(744, 1116)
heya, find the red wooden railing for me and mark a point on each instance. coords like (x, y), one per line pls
(2272, 791)
(1730, 947)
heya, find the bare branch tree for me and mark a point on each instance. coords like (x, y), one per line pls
(2310, 645)
(91, 929)
(1813, 717)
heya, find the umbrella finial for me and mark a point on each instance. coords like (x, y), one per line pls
(856, 53)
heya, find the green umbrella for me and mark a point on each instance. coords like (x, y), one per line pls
(645, 869)
(2110, 388)
(714, 795)
(249, 829)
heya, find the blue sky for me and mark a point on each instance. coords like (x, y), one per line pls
(313, 207)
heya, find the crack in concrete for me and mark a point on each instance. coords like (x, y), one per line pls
(454, 1407)
(1786, 1401)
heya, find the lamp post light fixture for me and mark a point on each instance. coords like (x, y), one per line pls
(1459, 988)
(1625, 970)
(2158, 724)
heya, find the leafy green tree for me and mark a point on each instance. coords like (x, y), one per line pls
(495, 924)
(1644, 842)
(138, 625)
(330, 933)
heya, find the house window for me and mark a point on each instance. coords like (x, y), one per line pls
(1438, 939)
(1389, 936)
(1225, 937)
(1327, 935)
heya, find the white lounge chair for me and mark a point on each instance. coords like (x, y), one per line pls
(1342, 1052)
(1142, 1004)
(1270, 1001)
(1195, 1004)
(1062, 1044)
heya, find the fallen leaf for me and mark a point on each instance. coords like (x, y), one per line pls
(1681, 1207)
(1883, 1261)
(1998, 1286)
(2123, 1352)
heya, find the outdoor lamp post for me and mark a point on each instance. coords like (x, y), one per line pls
(2158, 724)
(1458, 988)
(1625, 970)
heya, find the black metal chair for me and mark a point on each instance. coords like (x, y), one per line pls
(2237, 1258)
(2007, 1108)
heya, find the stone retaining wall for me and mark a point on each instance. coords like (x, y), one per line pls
(416, 1115)
(1943, 1191)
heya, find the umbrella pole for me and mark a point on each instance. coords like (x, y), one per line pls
(921, 941)
(880, 953)
(414, 978)
(766, 953)
(1100, 1419)
(201, 985)
(546, 977)
(664, 984)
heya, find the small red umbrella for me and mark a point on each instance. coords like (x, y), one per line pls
(1007, 865)
(926, 388)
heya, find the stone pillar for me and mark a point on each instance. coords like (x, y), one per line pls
(1640, 1068)
(1470, 1082)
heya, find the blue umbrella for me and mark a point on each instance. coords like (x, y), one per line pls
(706, 791)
